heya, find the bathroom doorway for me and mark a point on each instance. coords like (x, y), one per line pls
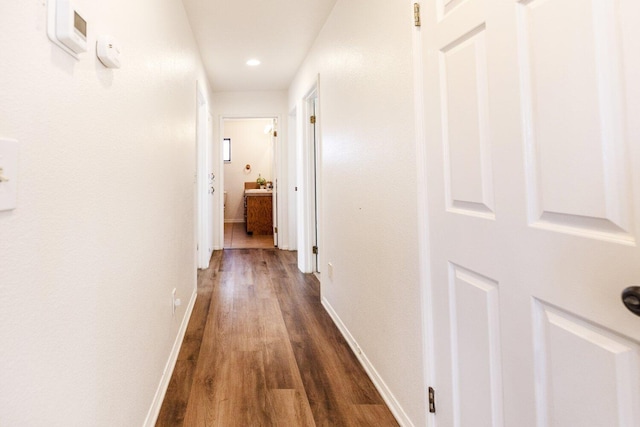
(249, 154)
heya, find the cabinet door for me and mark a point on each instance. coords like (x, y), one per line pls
(259, 215)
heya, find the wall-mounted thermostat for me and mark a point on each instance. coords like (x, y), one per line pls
(108, 51)
(66, 27)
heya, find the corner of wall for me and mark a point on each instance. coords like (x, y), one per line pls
(391, 401)
(161, 391)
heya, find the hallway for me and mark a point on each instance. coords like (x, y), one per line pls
(261, 350)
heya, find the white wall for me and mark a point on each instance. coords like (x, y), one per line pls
(257, 104)
(364, 58)
(249, 145)
(104, 228)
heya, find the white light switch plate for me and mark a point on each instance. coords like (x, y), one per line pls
(9, 170)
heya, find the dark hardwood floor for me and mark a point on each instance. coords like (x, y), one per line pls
(260, 350)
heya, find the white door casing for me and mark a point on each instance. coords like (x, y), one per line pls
(214, 187)
(315, 182)
(533, 161)
(279, 164)
(309, 193)
(290, 203)
(276, 172)
(205, 186)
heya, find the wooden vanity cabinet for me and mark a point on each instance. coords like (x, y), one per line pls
(258, 216)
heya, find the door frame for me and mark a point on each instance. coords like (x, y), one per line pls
(203, 150)
(279, 177)
(308, 207)
(291, 190)
(423, 233)
(275, 165)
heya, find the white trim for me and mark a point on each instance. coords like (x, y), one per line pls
(424, 251)
(280, 174)
(378, 382)
(292, 183)
(218, 237)
(319, 179)
(156, 405)
(214, 199)
(301, 219)
(305, 158)
(205, 247)
(278, 196)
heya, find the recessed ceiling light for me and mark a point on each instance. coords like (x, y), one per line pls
(253, 62)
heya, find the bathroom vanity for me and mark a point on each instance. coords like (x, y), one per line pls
(258, 211)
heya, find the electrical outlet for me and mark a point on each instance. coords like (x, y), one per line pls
(330, 271)
(175, 302)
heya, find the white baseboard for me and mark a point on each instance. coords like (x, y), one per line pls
(156, 405)
(378, 382)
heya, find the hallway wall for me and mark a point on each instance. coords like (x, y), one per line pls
(104, 228)
(364, 58)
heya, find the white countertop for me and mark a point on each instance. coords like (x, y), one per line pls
(258, 192)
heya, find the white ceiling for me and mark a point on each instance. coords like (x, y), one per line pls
(277, 32)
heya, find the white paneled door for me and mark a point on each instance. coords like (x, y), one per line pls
(532, 118)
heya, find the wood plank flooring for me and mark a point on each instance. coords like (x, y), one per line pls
(235, 237)
(260, 350)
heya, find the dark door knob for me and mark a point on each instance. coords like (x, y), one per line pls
(631, 299)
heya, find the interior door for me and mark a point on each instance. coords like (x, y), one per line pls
(532, 132)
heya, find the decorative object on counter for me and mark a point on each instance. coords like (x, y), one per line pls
(269, 185)
(261, 181)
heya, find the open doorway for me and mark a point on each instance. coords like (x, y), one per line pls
(250, 182)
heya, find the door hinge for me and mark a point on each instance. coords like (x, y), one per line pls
(416, 14)
(315, 250)
(432, 400)
(275, 230)
(275, 133)
(312, 120)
